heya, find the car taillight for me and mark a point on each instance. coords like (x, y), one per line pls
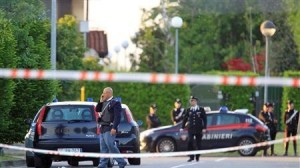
(39, 121)
(260, 128)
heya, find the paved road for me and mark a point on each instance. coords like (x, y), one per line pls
(205, 162)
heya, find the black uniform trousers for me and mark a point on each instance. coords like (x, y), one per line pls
(291, 132)
(198, 137)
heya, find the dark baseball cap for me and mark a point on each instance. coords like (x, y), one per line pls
(290, 102)
(177, 100)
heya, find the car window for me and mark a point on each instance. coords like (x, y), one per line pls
(69, 112)
(224, 119)
(209, 120)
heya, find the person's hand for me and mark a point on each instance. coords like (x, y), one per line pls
(204, 131)
(113, 131)
(180, 130)
(101, 98)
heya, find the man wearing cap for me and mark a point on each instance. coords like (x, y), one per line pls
(267, 117)
(152, 119)
(196, 117)
(291, 120)
(178, 112)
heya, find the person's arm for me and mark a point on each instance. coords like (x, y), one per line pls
(204, 118)
(117, 109)
(148, 121)
(261, 117)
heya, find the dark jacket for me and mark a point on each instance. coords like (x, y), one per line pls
(177, 114)
(114, 108)
(197, 120)
(293, 124)
(269, 120)
(152, 121)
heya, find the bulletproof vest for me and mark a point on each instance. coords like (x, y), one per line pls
(106, 114)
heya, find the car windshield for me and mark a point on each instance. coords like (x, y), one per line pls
(69, 113)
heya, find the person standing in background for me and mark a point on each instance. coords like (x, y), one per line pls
(267, 116)
(197, 119)
(178, 112)
(152, 119)
(291, 119)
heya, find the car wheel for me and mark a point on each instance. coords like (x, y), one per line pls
(247, 151)
(134, 161)
(165, 145)
(29, 161)
(40, 161)
(72, 162)
(95, 162)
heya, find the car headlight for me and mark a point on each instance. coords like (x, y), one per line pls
(145, 134)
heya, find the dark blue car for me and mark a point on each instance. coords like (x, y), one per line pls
(71, 126)
(224, 129)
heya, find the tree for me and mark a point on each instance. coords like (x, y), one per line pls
(70, 50)
(30, 29)
(8, 59)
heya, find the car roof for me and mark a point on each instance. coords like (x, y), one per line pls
(228, 112)
(78, 103)
(71, 103)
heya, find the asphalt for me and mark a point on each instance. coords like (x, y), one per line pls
(19, 155)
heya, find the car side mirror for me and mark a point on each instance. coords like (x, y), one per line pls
(28, 121)
(139, 122)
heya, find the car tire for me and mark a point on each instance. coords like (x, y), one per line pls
(95, 162)
(29, 161)
(165, 145)
(72, 162)
(248, 151)
(134, 161)
(42, 161)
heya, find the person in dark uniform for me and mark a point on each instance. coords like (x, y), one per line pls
(178, 112)
(109, 111)
(267, 117)
(291, 120)
(196, 117)
(152, 119)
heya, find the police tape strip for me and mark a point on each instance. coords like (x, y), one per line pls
(147, 77)
(143, 155)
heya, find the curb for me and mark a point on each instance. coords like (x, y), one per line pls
(12, 163)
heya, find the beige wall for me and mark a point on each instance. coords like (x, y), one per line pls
(79, 9)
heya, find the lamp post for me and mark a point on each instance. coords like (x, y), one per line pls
(176, 22)
(117, 50)
(268, 29)
(125, 45)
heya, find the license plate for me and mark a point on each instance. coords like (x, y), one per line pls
(75, 150)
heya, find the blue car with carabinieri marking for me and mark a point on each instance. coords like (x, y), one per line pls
(71, 126)
(224, 129)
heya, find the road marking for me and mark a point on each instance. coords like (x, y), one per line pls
(221, 159)
(184, 165)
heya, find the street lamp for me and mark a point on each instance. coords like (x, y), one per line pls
(176, 22)
(117, 50)
(125, 45)
(268, 29)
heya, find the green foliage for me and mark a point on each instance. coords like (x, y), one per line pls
(8, 59)
(70, 50)
(238, 95)
(30, 30)
(290, 93)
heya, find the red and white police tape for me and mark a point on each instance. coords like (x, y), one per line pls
(40, 74)
(142, 155)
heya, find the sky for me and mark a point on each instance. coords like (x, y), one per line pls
(120, 20)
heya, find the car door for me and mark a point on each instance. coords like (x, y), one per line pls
(223, 130)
